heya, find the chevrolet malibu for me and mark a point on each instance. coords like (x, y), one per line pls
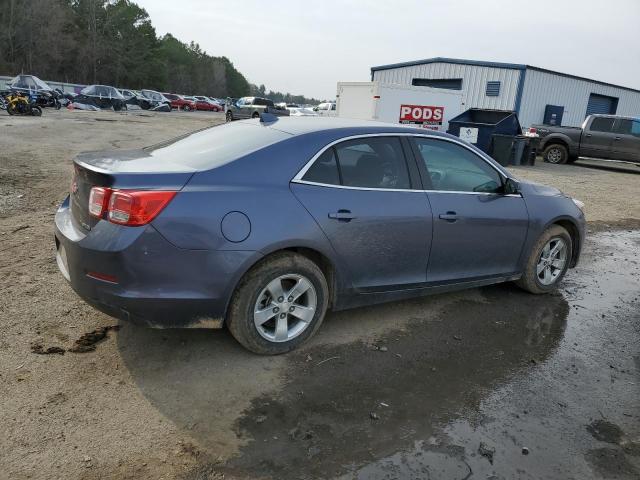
(264, 225)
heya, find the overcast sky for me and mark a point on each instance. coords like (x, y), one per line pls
(306, 46)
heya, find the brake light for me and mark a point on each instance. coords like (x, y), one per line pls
(98, 201)
(134, 208)
(533, 130)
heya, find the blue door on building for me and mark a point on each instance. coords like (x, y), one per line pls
(601, 104)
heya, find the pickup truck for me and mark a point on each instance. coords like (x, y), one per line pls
(601, 136)
(251, 107)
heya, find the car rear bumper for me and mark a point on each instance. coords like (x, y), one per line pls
(134, 274)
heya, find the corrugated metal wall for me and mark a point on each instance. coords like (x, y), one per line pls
(474, 81)
(542, 88)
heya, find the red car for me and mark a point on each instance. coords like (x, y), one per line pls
(179, 102)
(204, 103)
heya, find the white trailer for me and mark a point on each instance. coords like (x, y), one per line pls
(422, 107)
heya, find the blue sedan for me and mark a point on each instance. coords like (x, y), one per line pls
(264, 225)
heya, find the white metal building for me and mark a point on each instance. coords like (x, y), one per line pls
(536, 94)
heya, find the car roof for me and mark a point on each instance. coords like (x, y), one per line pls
(304, 125)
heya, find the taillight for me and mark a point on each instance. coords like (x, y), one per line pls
(134, 208)
(128, 207)
(98, 201)
(533, 130)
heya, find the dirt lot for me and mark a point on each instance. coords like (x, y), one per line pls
(487, 383)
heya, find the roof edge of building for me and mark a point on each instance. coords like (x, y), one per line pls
(511, 66)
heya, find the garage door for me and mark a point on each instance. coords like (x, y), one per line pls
(602, 104)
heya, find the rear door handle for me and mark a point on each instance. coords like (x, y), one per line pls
(616, 138)
(449, 217)
(342, 215)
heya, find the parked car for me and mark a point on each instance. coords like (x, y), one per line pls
(204, 103)
(252, 107)
(180, 102)
(152, 100)
(97, 97)
(127, 93)
(327, 109)
(301, 112)
(290, 218)
(601, 136)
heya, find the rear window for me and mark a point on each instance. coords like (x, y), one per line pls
(216, 146)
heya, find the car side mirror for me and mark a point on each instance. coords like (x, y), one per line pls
(511, 186)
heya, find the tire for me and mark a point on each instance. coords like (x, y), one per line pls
(36, 111)
(229, 117)
(57, 104)
(255, 115)
(11, 110)
(253, 297)
(186, 108)
(531, 280)
(556, 154)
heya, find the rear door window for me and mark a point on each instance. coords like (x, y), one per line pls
(376, 162)
(602, 124)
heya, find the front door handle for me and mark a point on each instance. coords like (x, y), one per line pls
(616, 138)
(342, 215)
(449, 217)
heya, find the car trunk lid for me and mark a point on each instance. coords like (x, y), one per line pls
(124, 170)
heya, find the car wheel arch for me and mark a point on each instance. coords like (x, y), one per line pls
(316, 256)
(574, 232)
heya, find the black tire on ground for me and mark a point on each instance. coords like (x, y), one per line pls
(36, 111)
(240, 317)
(186, 108)
(255, 115)
(229, 117)
(555, 153)
(530, 280)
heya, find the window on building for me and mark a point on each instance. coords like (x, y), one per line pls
(493, 89)
(446, 83)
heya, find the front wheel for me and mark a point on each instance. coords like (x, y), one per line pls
(279, 304)
(186, 108)
(255, 115)
(229, 117)
(548, 262)
(36, 111)
(556, 154)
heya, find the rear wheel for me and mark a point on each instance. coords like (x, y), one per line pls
(548, 261)
(36, 111)
(229, 117)
(255, 115)
(279, 304)
(555, 153)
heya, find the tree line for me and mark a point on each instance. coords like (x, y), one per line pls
(111, 42)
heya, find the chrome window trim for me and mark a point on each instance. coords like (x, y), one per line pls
(299, 176)
(344, 187)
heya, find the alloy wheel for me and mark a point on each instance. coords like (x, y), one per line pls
(554, 155)
(552, 261)
(285, 308)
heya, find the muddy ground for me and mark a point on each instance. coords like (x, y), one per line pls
(486, 383)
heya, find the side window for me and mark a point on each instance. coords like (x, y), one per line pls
(376, 162)
(324, 169)
(455, 168)
(635, 128)
(333, 106)
(602, 124)
(623, 126)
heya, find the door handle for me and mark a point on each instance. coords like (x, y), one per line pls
(588, 135)
(449, 217)
(342, 215)
(616, 138)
